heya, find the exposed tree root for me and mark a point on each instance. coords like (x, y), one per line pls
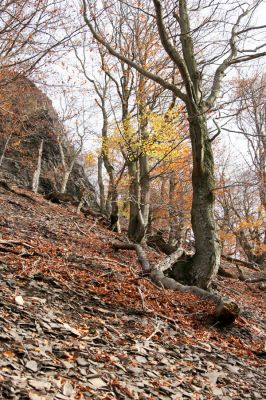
(140, 253)
(226, 310)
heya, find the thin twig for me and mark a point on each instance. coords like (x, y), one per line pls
(78, 228)
(154, 332)
(142, 299)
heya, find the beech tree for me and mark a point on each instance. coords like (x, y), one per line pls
(131, 97)
(204, 40)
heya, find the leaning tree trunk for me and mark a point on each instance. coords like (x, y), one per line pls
(208, 251)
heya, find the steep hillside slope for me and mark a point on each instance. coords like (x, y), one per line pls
(78, 321)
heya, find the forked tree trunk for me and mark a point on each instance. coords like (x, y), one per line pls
(208, 251)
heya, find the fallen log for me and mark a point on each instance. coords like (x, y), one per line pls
(226, 311)
(252, 279)
(256, 280)
(247, 264)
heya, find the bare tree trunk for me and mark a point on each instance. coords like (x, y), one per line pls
(176, 218)
(114, 217)
(109, 200)
(37, 172)
(208, 251)
(112, 197)
(65, 180)
(145, 188)
(144, 175)
(136, 227)
(101, 185)
(139, 174)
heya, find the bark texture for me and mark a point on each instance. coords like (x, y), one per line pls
(208, 251)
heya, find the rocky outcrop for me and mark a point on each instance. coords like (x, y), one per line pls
(27, 117)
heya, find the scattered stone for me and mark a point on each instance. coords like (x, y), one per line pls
(40, 385)
(82, 362)
(68, 342)
(141, 359)
(35, 396)
(68, 389)
(96, 383)
(19, 300)
(32, 365)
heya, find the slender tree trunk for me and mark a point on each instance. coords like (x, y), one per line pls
(37, 172)
(112, 199)
(136, 227)
(67, 167)
(114, 218)
(101, 185)
(109, 200)
(65, 180)
(111, 207)
(143, 159)
(208, 251)
(176, 226)
(145, 188)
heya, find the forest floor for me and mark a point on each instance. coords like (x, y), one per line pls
(78, 321)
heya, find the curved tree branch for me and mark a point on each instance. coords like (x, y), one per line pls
(139, 68)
